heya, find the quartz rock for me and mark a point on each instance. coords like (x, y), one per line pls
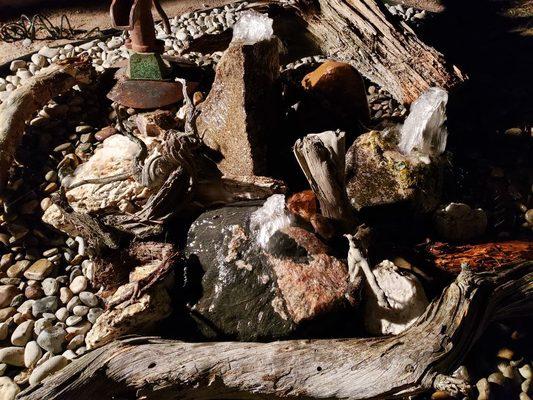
(458, 221)
(405, 295)
(424, 129)
(268, 219)
(253, 27)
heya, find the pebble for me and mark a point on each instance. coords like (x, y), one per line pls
(33, 292)
(89, 299)
(42, 324)
(7, 292)
(524, 396)
(506, 353)
(47, 368)
(16, 65)
(6, 313)
(65, 295)
(483, 388)
(497, 378)
(4, 330)
(50, 286)
(12, 356)
(76, 342)
(62, 314)
(52, 339)
(526, 386)
(73, 320)
(3, 368)
(39, 269)
(46, 304)
(17, 269)
(8, 388)
(80, 329)
(440, 395)
(80, 311)
(22, 333)
(32, 354)
(75, 301)
(525, 371)
(78, 284)
(69, 354)
(48, 52)
(529, 216)
(93, 314)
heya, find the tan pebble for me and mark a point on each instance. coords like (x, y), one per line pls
(506, 353)
(440, 395)
(8, 388)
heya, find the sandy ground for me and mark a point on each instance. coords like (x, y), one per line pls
(85, 17)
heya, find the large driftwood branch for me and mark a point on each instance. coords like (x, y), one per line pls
(376, 368)
(29, 98)
(363, 33)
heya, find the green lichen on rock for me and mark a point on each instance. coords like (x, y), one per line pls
(378, 174)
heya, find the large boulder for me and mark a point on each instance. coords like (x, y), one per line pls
(378, 174)
(241, 109)
(264, 278)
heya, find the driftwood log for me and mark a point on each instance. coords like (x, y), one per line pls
(375, 368)
(363, 33)
(28, 99)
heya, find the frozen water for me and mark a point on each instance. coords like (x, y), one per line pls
(424, 128)
(252, 27)
(271, 217)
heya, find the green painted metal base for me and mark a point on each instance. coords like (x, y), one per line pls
(147, 66)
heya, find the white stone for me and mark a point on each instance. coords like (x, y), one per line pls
(39, 60)
(12, 356)
(78, 284)
(32, 354)
(89, 299)
(22, 333)
(253, 27)
(405, 296)
(47, 368)
(48, 52)
(8, 388)
(16, 65)
(424, 129)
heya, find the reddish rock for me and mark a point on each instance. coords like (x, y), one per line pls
(303, 204)
(104, 133)
(33, 292)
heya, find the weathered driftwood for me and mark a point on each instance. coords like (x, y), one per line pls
(321, 157)
(29, 98)
(486, 256)
(428, 5)
(375, 368)
(363, 33)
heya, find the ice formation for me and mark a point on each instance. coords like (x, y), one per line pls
(253, 27)
(424, 128)
(270, 218)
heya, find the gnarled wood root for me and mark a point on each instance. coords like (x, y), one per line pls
(371, 368)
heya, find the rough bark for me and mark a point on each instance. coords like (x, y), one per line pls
(449, 257)
(363, 33)
(375, 368)
(29, 98)
(321, 158)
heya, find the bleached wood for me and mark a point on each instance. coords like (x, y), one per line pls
(372, 368)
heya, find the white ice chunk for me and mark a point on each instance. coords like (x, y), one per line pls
(270, 218)
(253, 27)
(424, 128)
(404, 294)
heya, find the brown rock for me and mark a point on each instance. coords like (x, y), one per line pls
(39, 270)
(17, 269)
(7, 292)
(340, 91)
(33, 292)
(240, 112)
(303, 204)
(104, 133)
(7, 312)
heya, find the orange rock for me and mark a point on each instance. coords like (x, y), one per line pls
(340, 85)
(303, 204)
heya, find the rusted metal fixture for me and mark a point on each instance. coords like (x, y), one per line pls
(146, 83)
(148, 94)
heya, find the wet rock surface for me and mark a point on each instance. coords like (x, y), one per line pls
(251, 293)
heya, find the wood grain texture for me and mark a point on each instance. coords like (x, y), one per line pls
(370, 368)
